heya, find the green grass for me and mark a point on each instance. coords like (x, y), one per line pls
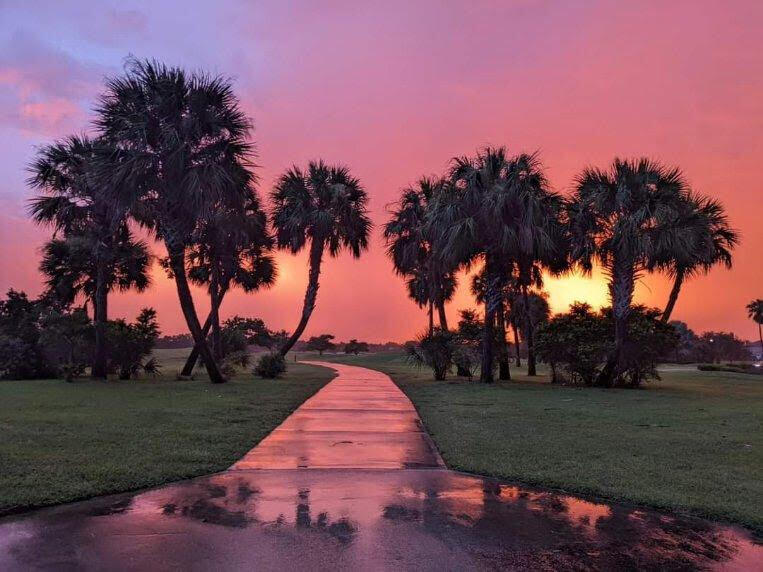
(62, 442)
(691, 442)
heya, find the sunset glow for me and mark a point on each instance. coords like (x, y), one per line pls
(394, 91)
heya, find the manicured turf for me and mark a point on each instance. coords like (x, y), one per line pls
(693, 441)
(62, 441)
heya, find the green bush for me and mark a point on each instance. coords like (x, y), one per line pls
(270, 366)
(577, 344)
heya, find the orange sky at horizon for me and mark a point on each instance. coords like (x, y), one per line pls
(394, 92)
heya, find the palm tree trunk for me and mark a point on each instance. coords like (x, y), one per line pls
(431, 319)
(193, 357)
(443, 317)
(492, 300)
(673, 295)
(530, 333)
(100, 316)
(177, 263)
(621, 291)
(516, 343)
(504, 372)
(217, 346)
(311, 295)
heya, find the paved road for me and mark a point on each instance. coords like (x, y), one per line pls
(351, 482)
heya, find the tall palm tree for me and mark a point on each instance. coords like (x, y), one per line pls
(623, 218)
(232, 248)
(497, 209)
(411, 246)
(78, 204)
(325, 206)
(704, 240)
(544, 242)
(469, 218)
(755, 313)
(184, 149)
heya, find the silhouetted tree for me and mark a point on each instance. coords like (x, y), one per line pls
(184, 150)
(320, 343)
(325, 206)
(625, 219)
(92, 215)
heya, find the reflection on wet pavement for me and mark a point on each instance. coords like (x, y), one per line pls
(363, 519)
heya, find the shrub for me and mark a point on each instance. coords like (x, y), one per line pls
(270, 366)
(434, 351)
(576, 344)
(130, 344)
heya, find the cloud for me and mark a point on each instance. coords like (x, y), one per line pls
(44, 89)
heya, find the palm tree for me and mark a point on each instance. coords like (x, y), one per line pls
(184, 151)
(71, 271)
(411, 246)
(544, 242)
(76, 203)
(704, 240)
(623, 219)
(232, 248)
(499, 210)
(755, 313)
(325, 206)
(469, 222)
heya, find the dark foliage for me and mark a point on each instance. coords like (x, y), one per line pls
(435, 351)
(320, 343)
(270, 366)
(578, 343)
(355, 347)
(131, 344)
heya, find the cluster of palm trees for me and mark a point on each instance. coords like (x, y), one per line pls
(498, 211)
(172, 155)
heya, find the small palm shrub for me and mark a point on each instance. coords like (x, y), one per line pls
(435, 351)
(270, 366)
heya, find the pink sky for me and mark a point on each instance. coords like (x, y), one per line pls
(394, 90)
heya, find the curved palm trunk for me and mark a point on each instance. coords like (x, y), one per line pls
(193, 357)
(677, 283)
(442, 316)
(503, 351)
(530, 333)
(516, 343)
(621, 291)
(99, 368)
(431, 318)
(177, 263)
(492, 300)
(316, 255)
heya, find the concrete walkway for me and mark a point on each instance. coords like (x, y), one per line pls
(361, 420)
(351, 482)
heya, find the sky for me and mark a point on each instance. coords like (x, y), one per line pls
(394, 90)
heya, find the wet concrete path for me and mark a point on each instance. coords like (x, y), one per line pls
(350, 481)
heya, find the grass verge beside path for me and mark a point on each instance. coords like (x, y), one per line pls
(691, 442)
(61, 442)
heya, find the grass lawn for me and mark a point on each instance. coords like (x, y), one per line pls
(692, 441)
(62, 442)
